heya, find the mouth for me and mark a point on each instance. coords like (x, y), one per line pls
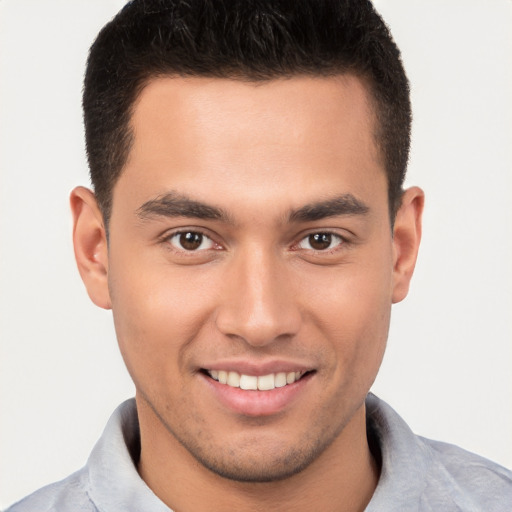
(265, 394)
(255, 383)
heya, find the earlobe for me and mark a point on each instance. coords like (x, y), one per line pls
(90, 245)
(406, 241)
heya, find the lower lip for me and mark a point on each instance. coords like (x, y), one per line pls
(258, 403)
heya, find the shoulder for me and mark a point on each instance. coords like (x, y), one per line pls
(68, 494)
(466, 478)
(424, 475)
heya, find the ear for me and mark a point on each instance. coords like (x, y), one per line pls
(90, 244)
(406, 240)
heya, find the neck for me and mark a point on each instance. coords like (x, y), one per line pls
(342, 479)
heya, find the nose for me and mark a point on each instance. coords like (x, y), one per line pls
(258, 301)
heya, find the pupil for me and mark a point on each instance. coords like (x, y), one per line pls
(191, 241)
(320, 241)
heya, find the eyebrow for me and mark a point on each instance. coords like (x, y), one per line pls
(177, 205)
(345, 204)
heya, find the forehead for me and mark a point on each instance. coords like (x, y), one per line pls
(212, 135)
(292, 105)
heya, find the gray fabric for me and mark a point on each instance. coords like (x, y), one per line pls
(417, 474)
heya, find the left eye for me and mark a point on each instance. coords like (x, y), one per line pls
(191, 241)
(320, 241)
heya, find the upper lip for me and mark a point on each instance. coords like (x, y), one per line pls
(257, 369)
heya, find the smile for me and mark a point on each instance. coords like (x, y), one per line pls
(251, 382)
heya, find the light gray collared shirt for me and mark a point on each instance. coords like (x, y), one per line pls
(417, 475)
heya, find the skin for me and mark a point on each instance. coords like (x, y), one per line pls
(256, 293)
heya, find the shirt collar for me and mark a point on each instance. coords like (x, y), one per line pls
(405, 460)
(114, 483)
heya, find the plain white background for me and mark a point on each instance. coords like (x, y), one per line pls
(449, 360)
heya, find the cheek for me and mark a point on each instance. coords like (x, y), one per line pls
(156, 316)
(353, 312)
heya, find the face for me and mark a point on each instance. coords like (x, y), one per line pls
(251, 268)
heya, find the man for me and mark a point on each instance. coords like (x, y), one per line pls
(249, 232)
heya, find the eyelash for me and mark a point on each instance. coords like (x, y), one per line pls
(168, 237)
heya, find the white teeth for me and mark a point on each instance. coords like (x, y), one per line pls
(250, 382)
(280, 380)
(266, 382)
(233, 379)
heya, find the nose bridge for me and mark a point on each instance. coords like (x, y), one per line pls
(259, 304)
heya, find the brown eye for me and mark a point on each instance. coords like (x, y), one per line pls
(320, 241)
(190, 241)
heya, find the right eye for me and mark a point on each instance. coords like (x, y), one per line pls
(191, 241)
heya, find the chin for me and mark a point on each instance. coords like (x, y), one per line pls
(259, 458)
(270, 469)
